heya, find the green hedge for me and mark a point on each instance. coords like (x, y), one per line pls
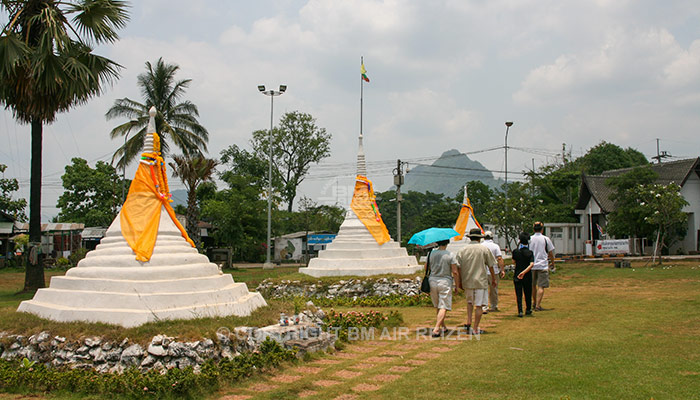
(30, 377)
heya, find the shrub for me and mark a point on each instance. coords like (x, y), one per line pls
(175, 383)
(392, 300)
(62, 262)
(77, 255)
(342, 322)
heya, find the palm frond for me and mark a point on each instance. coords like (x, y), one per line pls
(99, 20)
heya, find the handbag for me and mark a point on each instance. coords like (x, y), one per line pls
(425, 285)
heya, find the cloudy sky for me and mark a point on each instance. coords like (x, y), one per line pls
(444, 74)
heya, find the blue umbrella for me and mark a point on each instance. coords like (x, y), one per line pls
(432, 235)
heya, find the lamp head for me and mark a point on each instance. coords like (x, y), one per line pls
(261, 88)
(509, 123)
(283, 88)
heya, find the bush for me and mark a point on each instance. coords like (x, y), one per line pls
(342, 322)
(392, 300)
(62, 262)
(77, 255)
(26, 376)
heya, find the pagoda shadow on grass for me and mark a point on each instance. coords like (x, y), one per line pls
(363, 246)
(145, 268)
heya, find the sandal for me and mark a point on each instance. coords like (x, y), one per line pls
(436, 335)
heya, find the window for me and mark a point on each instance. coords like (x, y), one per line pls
(556, 233)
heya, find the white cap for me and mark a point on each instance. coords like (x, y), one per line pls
(488, 235)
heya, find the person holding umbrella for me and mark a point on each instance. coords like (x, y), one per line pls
(443, 274)
(441, 269)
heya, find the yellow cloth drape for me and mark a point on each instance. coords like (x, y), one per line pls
(466, 213)
(365, 207)
(140, 214)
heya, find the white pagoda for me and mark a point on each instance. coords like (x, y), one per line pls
(356, 251)
(143, 273)
(466, 221)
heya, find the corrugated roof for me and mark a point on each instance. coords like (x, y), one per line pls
(95, 232)
(56, 227)
(594, 185)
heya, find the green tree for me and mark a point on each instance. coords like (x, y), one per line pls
(480, 196)
(296, 144)
(193, 171)
(557, 184)
(664, 205)
(516, 214)
(90, 196)
(418, 211)
(254, 169)
(239, 217)
(629, 217)
(15, 208)
(47, 66)
(176, 122)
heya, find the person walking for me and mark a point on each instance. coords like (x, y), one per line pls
(543, 250)
(443, 273)
(498, 269)
(473, 261)
(522, 275)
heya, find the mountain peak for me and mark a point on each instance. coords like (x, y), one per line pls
(447, 174)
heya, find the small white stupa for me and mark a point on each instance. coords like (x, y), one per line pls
(466, 221)
(145, 268)
(356, 251)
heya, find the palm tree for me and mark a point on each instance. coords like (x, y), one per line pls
(47, 66)
(193, 171)
(175, 122)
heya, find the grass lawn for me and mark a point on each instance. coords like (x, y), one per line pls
(605, 333)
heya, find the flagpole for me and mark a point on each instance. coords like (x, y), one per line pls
(362, 86)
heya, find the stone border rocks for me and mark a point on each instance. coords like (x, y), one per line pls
(352, 288)
(163, 352)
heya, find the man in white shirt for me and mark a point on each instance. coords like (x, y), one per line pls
(543, 251)
(498, 269)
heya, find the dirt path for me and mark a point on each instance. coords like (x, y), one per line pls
(364, 366)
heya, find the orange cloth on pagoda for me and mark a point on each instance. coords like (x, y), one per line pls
(140, 214)
(465, 214)
(365, 207)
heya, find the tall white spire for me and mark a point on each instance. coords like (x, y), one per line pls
(361, 166)
(150, 130)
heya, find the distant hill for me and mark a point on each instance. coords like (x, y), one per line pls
(448, 181)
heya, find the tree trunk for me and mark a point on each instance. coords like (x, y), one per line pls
(34, 276)
(192, 216)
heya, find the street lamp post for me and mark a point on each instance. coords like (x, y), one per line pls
(272, 94)
(505, 215)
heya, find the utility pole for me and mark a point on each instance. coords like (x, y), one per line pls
(660, 154)
(398, 181)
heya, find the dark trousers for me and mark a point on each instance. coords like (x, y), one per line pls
(524, 285)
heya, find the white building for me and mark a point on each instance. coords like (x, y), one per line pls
(596, 200)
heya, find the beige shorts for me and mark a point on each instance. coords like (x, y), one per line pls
(441, 293)
(478, 297)
(540, 278)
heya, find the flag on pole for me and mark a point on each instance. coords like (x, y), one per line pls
(364, 72)
(600, 230)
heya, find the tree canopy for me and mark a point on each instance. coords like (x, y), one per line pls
(8, 205)
(91, 195)
(296, 143)
(176, 120)
(47, 66)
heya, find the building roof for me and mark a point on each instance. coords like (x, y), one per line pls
(52, 227)
(296, 235)
(595, 185)
(93, 232)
